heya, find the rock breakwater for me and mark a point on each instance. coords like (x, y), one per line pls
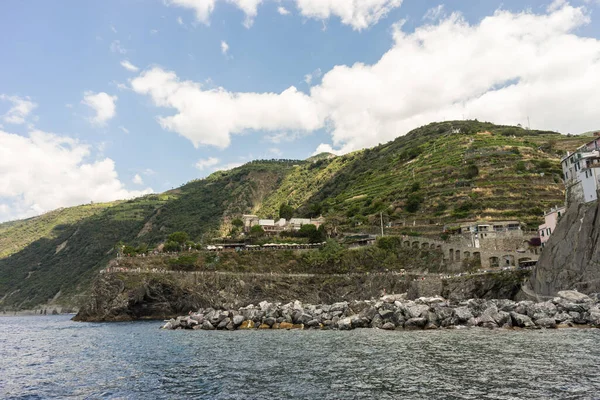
(394, 312)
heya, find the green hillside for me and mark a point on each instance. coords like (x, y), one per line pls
(438, 174)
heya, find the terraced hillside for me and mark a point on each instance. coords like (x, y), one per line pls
(439, 174)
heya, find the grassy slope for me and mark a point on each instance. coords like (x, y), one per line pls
(66, 259)
(61, 251)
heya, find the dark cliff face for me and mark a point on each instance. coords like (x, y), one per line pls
(571, 258)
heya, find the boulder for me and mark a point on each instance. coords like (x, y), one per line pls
(341, 306)
(463, 314)
(264, 326)
(270, 321)
(247, 324)
(415, 323)
(521, 320)
(223, 324)
(313, 323)
(548, 323)
(237, 320)
(207, 326)
(389, 326)
(377, 321)
(285, 325)
(416, 311)
(345, 324)
(386, 314)
(574, 296)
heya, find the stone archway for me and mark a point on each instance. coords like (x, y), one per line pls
(494, 262)
(451, 254)
(457, 255)
(425, 245)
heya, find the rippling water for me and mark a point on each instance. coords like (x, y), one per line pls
(52, 357)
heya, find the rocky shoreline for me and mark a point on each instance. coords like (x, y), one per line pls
(395, 312)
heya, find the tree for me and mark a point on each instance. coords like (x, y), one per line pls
(257, 231)
(413, 202)
(171, 246)
(286, 211)
(178, 237)
(238, 223)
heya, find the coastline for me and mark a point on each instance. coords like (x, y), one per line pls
(395, 312)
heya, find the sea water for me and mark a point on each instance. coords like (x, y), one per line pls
(53, 357)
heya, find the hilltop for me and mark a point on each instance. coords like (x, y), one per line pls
(436, 175)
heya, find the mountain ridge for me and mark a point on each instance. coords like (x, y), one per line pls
(433, 176)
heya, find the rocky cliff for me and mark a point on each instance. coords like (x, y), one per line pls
(124, 297)
(133, 296)
(571, 258)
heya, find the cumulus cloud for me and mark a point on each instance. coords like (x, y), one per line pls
(203, 164)
(359, 14)
(129, 66)
(204, 8)
(209, 117)
(224, 47)
(103, 105)
(503, 69)
(45, 171)
(20, 110)
(137, 179)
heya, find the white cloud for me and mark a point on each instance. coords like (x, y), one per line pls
(434, 13)
(359, 14)
(203, 8)
(123, 129)
(224, 47)
(308, 78)
(203, 164)
(210, 116)
(326, 148)
(116, 47)
(129, 66)
(148, 171)
(180, 20)
(153, 31)
(46, 171)
(112, 28)
(137, 179)
(504, 69)
(20, 110)
(103, 105)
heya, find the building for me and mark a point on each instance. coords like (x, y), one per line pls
(490, 235)
(550, 220)
(581, 171)
(281, 225)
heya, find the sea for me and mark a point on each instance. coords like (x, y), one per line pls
(47, 357)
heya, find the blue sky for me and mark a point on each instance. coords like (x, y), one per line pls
(112, 99)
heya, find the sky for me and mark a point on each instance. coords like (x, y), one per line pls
(114, 99)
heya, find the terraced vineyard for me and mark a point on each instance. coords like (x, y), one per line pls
(439, 174)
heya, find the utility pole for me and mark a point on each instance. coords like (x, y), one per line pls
(381, 216)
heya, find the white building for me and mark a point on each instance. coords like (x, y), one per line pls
(581, 173)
